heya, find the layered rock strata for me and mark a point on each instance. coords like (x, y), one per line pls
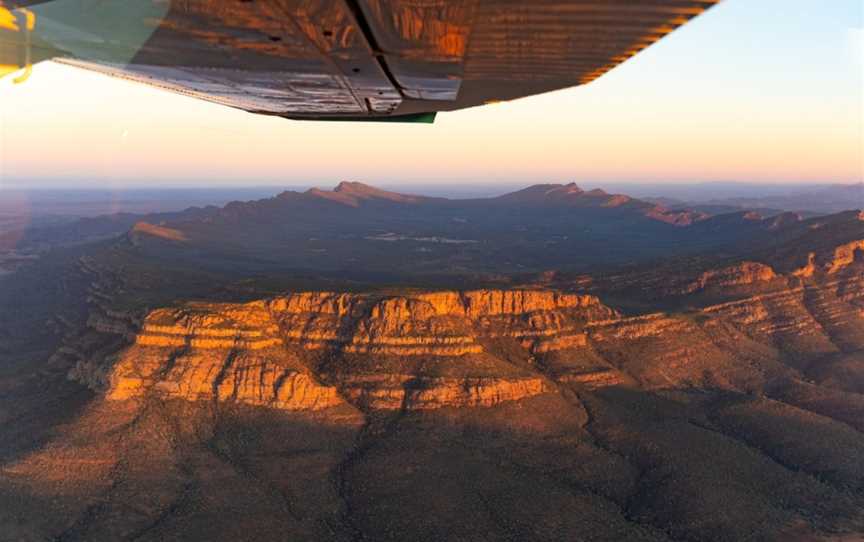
(260, 353)
(441, 323)
(256, 377)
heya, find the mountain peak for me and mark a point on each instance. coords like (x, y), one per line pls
(543, 192)
(353, 192)
(356, 187)
(571, 188)
(559, 189)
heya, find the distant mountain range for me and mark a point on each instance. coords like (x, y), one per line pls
(357, 226)
(832, 199)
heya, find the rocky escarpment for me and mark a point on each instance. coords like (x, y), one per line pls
(271, 377)
(805, 320)
(315, 350)
(737, 327)
(429, 350)
(440, 323)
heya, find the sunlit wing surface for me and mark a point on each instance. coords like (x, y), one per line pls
(341, 59)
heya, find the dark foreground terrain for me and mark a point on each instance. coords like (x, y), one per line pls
(153, 388)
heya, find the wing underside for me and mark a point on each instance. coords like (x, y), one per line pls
(360, 59)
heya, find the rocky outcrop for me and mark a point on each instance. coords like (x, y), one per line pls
(808, 320)
(676, 218)
(248, 327)
(735, 275)
(831, 261)
(844, 255)
(732, 326)
(808, 269)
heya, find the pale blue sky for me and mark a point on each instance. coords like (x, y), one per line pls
(753, 90)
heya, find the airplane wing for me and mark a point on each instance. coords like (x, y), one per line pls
(341, 59)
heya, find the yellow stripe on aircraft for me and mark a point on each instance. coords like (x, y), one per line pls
(8, 21)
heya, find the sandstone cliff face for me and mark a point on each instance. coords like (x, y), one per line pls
(255, 377)
(844, 255)
(440, 323)
(832, 261)
(736, 327)
(262, 353)
(218, 352)
(247, 327)
(804, 321)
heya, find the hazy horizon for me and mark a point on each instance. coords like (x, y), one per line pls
(36, 185)
(161, 198)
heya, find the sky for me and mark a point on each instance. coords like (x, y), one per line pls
(765, 91)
